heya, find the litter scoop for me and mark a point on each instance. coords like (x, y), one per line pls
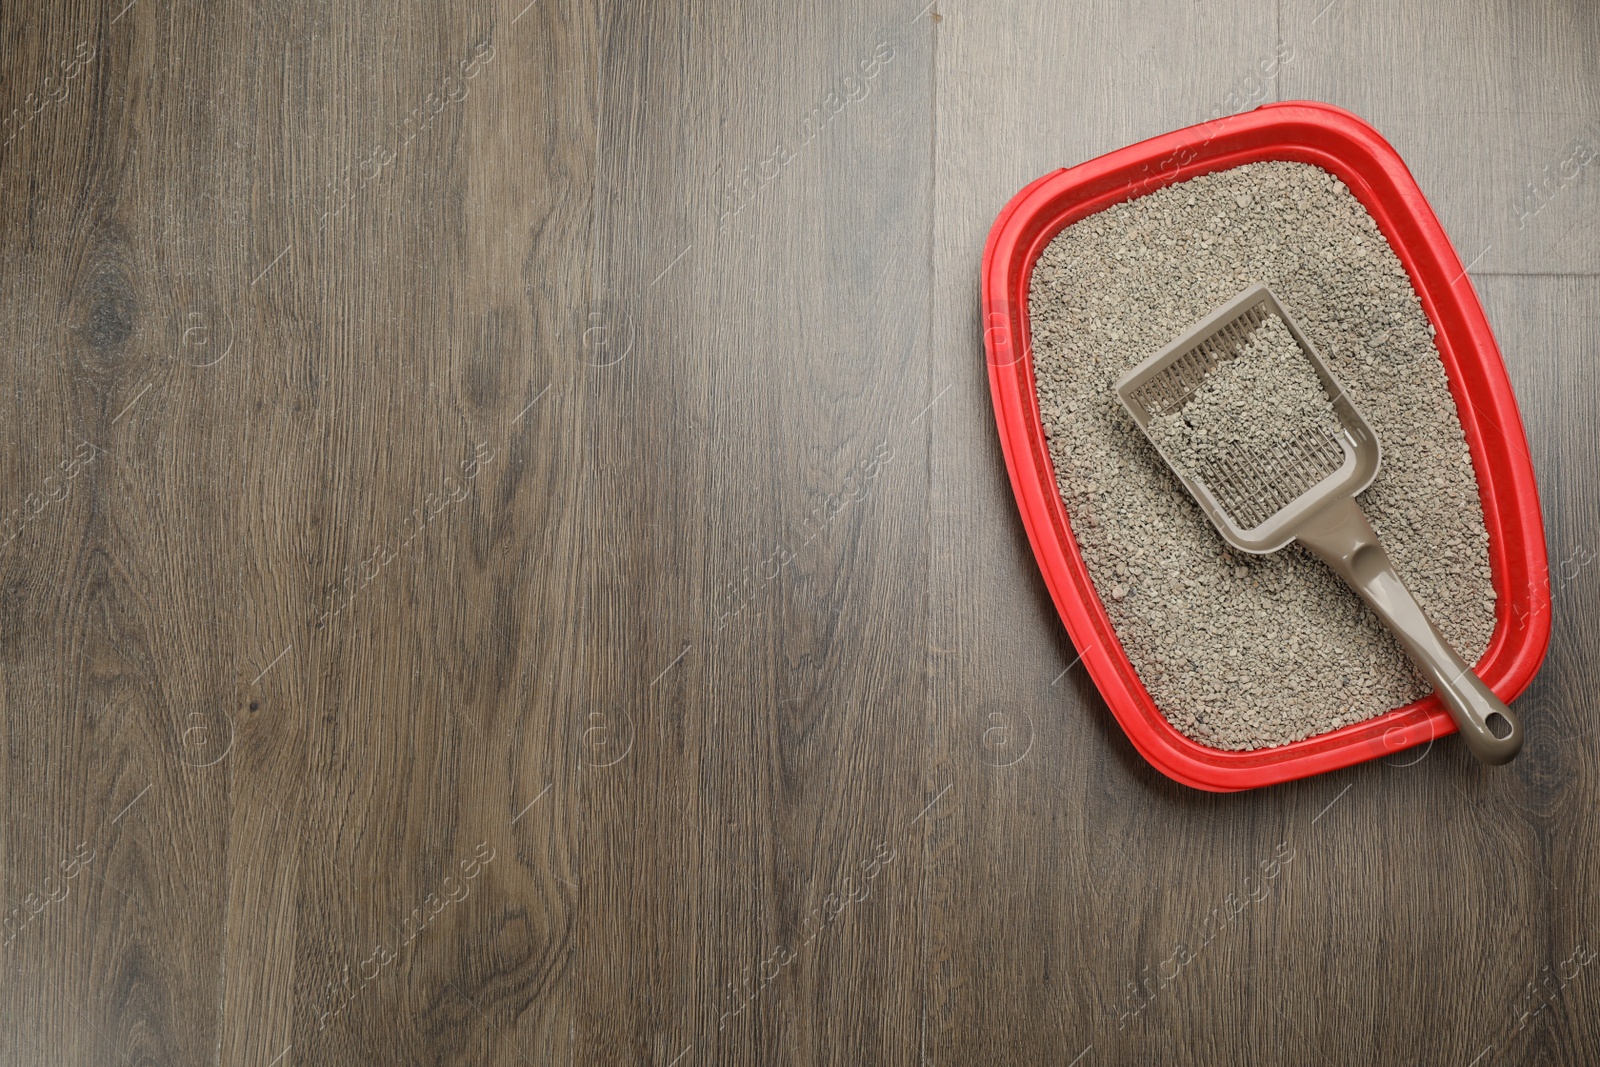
(1303, 488)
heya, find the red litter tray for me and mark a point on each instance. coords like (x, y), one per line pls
(1347, 147)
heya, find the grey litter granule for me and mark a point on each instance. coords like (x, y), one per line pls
(1249, 405)
(1243, 651)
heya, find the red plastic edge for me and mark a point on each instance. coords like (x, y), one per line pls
(1346, 146)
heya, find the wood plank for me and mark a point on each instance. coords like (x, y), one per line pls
(437, 882)
(1048, 892)
(759, 596)
(1546, 329)
(120, 672)
(357, 784)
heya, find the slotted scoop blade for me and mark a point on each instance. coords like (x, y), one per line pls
(1304, 489)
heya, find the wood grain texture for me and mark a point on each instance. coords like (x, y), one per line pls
(1493, 107)
(506, 558)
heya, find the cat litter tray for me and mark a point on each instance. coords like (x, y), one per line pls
(1352, 151)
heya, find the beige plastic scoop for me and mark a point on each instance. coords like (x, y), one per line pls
(1305, 490)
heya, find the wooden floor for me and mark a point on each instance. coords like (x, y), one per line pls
(507, 557)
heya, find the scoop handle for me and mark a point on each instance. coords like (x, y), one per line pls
(1340, 535)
